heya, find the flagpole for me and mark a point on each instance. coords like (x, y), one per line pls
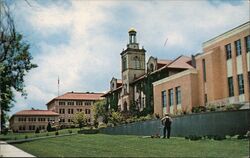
(58, 84)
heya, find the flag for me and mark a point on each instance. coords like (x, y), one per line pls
(58, 81)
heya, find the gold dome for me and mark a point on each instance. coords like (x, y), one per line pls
(132, 30)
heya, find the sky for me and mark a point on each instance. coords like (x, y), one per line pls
(80, 41)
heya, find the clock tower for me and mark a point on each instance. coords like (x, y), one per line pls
(133, 66)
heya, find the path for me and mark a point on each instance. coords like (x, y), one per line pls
(7, 150)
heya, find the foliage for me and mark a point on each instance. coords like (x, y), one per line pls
(198, 109)
(37, 130)
(115, 118)
(100, 111)
(80, 119)
(49, 128)
(15, 61)
(56, 133)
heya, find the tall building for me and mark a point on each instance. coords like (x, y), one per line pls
(220, 76)
(30, 120)
(133, 66)
(135, 87)
(70, 103)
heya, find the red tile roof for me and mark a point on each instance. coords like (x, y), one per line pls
(181, 62)
(78, 96)
(36, 112)
(162, 62)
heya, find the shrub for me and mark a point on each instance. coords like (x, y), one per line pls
(70, 131)
(56, 133)
(194, 137)
(37, 130)
(26, 137)
(198, 109)
(103, 125)
(47, 134)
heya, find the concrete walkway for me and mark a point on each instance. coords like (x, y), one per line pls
(7, 150)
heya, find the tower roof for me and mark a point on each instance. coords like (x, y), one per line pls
(131, 30)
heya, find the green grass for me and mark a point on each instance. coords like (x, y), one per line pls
(17, 136)
(133, 146)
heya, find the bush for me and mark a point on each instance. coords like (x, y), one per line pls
(103, 125)
(47, 134)
(37, 130)
(194, 137)
(56, 133)
(198, 109)
(26, 137)
(70, 131)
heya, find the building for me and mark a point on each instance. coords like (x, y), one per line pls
(220, 76)
(70, 103)
(135, 89)
(30, 120)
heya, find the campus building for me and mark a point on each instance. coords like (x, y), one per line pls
(135, 88)
(30, 120)
(70, 103)
(220, 76)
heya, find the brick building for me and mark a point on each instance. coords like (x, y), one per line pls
(30, 120)
(220, 75)
(70, 103)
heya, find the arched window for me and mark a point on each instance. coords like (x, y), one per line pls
(151, 67)
(124, 63)
(136, 62)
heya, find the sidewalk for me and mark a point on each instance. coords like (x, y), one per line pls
(7, 150)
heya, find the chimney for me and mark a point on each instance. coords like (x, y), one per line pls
(193, 61)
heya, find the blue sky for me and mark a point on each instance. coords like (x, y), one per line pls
(81, 41)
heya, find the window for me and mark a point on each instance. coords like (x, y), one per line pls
(87, 111)
(241, 84)
(70, 103)
(204, 70)
(79, 103)
(228, 51)
(247, 39)
(61, 103)
(230, 86)
(61, 111)
(163, 98)
(178, 95)
(124, 63)
(136, 62)
(87, 103)
(238, 47)
(205, 97)
(170, 97)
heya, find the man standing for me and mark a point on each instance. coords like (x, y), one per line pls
(166, 122)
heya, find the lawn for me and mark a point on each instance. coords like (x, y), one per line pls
(17, 136)
(133, 146)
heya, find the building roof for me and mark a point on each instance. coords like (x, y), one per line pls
(109, 92)
(78, 96)
(181, 62)
(162, 62)
(36, 112)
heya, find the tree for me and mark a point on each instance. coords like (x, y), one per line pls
(80, 119)
(49, 128)
(100, 111)
(15, 61)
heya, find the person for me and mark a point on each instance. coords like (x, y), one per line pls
(166, 122)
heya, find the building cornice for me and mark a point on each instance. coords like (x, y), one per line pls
(227, 34)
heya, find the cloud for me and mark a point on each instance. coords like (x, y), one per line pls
(93, 33)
